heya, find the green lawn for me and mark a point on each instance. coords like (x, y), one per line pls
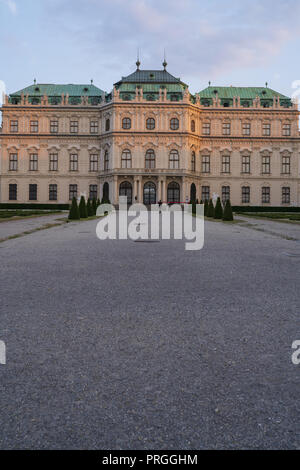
(8, 214)
(272, 215)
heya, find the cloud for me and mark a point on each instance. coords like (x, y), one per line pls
(11, 5)
(203, 40)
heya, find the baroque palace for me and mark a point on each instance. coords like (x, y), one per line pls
(151, 140)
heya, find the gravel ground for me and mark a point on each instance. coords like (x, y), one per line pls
(124, 345)
(9, 228)
(284, 229)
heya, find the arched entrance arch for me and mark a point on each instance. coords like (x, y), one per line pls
(193, 194)
(105, 195)
(149, 193)
(125, 189)
(173, 193)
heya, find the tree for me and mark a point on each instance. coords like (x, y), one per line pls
(228, 215)
(94, 205)
(218, 209)
(82, 208)
(74, 210)
(206, 208)
(98, 202)
(211, 209)
(89, 208)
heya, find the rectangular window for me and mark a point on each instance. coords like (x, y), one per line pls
(266, 128)
(94, 127)
(74, 127)
(52, 192)
(73, 162)
(225, 193)
(33, 162)
(266, 164)
(53, 127)
(206, 128)
(205, 193)
(226, 128)
(106, 160)
(286, 130)
(32, 192)
(286, 165)
(72, 191)
(246, 128)
(226, 164)
(53, 162)
(286, 195)
(94, 162)
(265, 195)
(93, 191)
(205, 163)
(245, 194)
(34, 127)
(245, 164)
(14, 126)
(13, 192)
(13, 162)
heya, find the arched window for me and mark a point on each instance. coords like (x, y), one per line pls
(193, 126)
(149, 193)
(174, 160)
(150, 124)
(193, 161)
(173, 193)
(174, 124)
(150, 159)
(193, 193)
(106, 160)
(126, 159)
(125, 189)
(105, 197)
(107, 125)
(126, 123)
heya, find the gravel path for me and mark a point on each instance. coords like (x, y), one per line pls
(9, 228)
(124, 345)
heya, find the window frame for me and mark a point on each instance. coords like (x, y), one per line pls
(13, 162)
(93, 162)
(174, 124)
(74, 126)
(14, 125)
(126, 123)
(73, 162)
(246, 164)
(225, 193)
(174, 159)
(150, 159)
(33, 162)
(12, 192)
(150, 123)
(205, 190)
(53, 192)
(286, 195)
(266, 195)
(226, 160)
(54, 126)
(73, 189)
(34, 127)
(285, 164)
(226, 128)
(126, 159)
(94, 127)
(246, 194)
(32, 192)
(53, 162)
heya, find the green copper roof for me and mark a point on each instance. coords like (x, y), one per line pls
(41, 89)
(243, 92)
(150, 76)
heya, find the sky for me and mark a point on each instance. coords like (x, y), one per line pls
(227, 42)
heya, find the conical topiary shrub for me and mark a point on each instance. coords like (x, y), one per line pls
(228, 215)
(98, 202)
(94, 206)
(218, 209)
(82, 208)
(89, 208)
(74, 210)
(206, 208)
(211, 209)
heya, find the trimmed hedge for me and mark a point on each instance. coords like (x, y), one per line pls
(264, 209)
(48, 207)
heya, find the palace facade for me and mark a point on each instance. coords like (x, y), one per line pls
(151, 140)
